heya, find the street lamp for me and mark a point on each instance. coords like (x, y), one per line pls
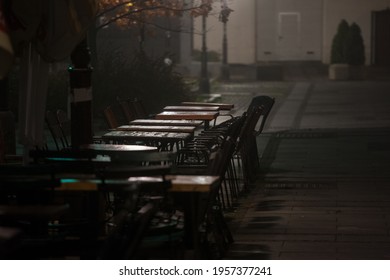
(224, 17)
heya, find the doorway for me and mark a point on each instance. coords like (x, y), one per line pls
(381, 38)
(288, 37)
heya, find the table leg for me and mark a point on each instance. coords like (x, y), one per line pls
(206, 124)
(190, 203)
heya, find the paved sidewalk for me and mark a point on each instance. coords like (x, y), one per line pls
(324, 187)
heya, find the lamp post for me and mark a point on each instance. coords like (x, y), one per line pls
(81, 96)
(224, 17)
(204, 84)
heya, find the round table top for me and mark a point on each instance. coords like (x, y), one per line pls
(118, 148)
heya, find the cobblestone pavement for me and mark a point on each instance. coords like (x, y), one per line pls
(323, 191)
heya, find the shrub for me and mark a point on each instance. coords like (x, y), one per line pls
(212, 56)
(150, 79)
(355, 46)
(348, 45)
(338, 51)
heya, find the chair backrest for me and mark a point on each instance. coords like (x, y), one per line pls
(138, 109)
(218, 167)
(221, 158)
(267, 102)
(126, 110)
(55, 130)
(65, 126)
(248, 128)
(131, 224)
(110, 117)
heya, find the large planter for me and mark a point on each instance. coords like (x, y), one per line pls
(342, 72)
(339, 72)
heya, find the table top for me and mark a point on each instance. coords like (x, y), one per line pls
(188, 115)
(191, 108)
(222, 106)
(180, 183)
(145, 135)
(183, 183)
(117, 148)
(154, 122)
(192, 183)
(157, 128)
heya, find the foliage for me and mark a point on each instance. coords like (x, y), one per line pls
(212, 56)
(57, 92)
(149, 79)
(138, 15)
(348, 45)
(355, 46)
(339, 43)
(126, 13)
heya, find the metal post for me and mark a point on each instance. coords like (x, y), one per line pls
(225, 72)
(224, 17)
(204, 84)
(81, 96)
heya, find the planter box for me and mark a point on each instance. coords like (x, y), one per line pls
(346, 72)
(339, 72)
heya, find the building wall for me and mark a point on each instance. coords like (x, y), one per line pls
(266, 30)
(358, 11)
(289, 30)
(240, 27)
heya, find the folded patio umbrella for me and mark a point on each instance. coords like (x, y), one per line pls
(47, 31)
(63, 27)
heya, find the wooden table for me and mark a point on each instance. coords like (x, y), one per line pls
(189, 189)
(191, 108)
(154, 122)
(180, 183)
(222, 106)
(205, 116)
(157, 128)
(113, 150)
(161, 140)
(184, 183)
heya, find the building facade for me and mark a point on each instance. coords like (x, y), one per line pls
(297, 30)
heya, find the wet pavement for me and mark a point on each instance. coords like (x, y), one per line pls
(323, 191)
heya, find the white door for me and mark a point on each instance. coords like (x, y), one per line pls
(288, 38)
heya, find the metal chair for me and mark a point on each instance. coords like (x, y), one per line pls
(110, 117)
(55, 130)
(267, 103)
(65, 126)
(126, 110)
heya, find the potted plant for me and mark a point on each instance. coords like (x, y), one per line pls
(347, 53)
(355, 55)
(338, 69)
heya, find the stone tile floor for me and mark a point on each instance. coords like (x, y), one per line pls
(323, 191)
